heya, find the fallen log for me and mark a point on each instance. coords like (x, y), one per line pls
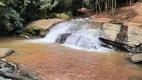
(114, 45)
(121, 46)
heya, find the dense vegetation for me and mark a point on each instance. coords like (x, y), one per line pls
(16, 13)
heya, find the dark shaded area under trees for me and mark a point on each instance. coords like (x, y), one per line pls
(16, 13)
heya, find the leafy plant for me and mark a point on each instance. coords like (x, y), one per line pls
(1, 4)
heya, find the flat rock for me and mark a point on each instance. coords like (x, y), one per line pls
(134, 35)
(136, 58)
(111, 31)
(95, 25)
(44, 24)
(4, 52)
(36, 27)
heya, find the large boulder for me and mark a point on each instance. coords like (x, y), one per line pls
(134, 35)
(4, 52)
(134, 41)
(111, 31)
(123, 37)
(136, 58)
(36, 27)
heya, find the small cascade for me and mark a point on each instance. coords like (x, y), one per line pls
(56, 31)
(65, 27)
(74, 33)
(88, 39)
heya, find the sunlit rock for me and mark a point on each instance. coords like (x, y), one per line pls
(111, 31)
(136, 58)
(38, 26)
(4, 52)
(134, 35)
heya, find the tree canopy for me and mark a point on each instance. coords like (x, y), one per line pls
(16, 13)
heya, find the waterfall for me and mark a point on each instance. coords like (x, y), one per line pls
(85, 39)
(56, 31)
(64, 27)
(74, 34)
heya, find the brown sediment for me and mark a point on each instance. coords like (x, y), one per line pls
(55, 62)
(128, 15)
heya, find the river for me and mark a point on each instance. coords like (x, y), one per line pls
(57, 62)
(80, 57)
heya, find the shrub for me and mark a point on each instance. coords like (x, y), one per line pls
(62, 16)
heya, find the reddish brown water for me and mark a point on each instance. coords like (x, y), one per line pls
(55, 62)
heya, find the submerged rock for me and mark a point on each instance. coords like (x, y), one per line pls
(4, 52)
(62, 38)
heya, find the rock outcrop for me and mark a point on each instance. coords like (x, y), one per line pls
(111, 31)
(10, 71)
(134, 35)
(36, 27)
(123, 37)
(136, 58)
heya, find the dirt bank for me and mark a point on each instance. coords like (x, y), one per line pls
(129, 15)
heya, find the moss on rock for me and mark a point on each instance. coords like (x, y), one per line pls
(41, 26)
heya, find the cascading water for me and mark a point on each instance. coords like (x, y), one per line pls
(81, 35)
(85, 39)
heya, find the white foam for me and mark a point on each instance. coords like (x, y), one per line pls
(82, 37)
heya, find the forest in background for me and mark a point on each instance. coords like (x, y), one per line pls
(16, 13)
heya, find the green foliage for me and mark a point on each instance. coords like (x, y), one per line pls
(64, 5)
(13, 21)
(62, 16)
(48, 4)
(76, 4)
(31, 30)
(1, 4)
(15, 13)
(86, 3)
(116, 22)
(10, 16)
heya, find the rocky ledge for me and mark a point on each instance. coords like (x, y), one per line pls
(41, 27)
(123, 38)
(128, 38)
(12, 71)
